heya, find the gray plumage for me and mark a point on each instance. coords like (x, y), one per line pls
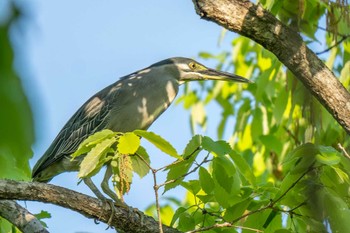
(133, 102)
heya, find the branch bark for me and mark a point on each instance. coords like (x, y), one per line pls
(20, 217)
(261, 26)
(123, 218)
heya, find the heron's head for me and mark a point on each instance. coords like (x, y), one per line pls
(186, 69)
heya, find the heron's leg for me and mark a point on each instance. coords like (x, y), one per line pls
(93, 188)
(100, 196)
(105, 187)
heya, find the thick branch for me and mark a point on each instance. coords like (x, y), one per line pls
(20, 217)
(261, 26)
(123, 218)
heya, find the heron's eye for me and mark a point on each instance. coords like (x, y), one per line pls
(192, 65)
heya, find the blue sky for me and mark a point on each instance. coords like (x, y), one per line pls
(75, 48)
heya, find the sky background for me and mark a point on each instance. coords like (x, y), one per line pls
(73, 49)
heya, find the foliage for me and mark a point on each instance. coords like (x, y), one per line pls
(283, 166)
(292, 145)
(16, 122)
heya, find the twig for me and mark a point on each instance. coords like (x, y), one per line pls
(223, 225)
(297, 142)
(334, 45)
(272, 203)
(326, 30)
(205, 160)
(156, 188)
(343, 150)
(178, 161)
(290, 187)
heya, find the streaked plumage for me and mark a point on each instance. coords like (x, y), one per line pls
(133, 102)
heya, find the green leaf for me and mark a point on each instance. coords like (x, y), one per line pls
(271, 216)
(89, 164)
(128, 143)
(93, 140)
(237, 210)
(221, 176)
(186, 222)
(307, 149)
(280, 105)
(177, 214)
(177, 171)
(272, 143)
(192, 186)
(328, 156)
(158, 142)
(243, 167)
(337, 211)
(193, 145)
(222, 196)
(206, 181)
(139, 164)
(220, 148)
(42, 215)
(16, 118)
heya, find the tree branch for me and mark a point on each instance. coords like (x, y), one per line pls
(20, 217)
(261, 26)
(123, 218)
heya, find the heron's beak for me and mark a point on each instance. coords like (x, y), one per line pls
(211, 74)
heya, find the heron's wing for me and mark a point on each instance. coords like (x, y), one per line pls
(90, 118)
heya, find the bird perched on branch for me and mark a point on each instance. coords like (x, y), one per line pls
(133, 102)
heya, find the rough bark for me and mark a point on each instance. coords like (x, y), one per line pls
(20, 217)
(261, 26)
(126, 219)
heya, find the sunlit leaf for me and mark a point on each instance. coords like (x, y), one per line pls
(193, 145)
(93, 140)
(159, 142)
(89, 164)
(128, 143)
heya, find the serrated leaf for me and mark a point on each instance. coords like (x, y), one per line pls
(193, 145)
(206, 180)
(220, 148)
(236, 210)
(93, 140)
(91, 160)
(128, 143)
(243, 167)
(303, 150)
(193, 186)
(158, 142)
(43, 214)
(221, 177)
(222, 196)
(139, 164)
(177, 171)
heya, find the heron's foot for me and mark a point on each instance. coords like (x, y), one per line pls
(112, 207)
(131, 213)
